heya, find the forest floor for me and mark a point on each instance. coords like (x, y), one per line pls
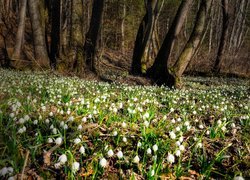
(65, 127)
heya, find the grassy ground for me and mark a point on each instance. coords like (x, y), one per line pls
(53, 127)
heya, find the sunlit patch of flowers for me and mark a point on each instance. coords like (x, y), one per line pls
(93, 128)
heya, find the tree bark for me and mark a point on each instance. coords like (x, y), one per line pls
(192, 44)
(143, 37)
(55, 33)
(93, 35)
(159, 71)
(123, 26)
(41, 55)
(224, 37)
(20, 31)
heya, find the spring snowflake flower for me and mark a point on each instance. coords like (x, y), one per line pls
(178, 153)
(172, 110)
(12, 115)
(62, 159)
(21, 121)
(136, 159)
(77, 140)
(75, 167)
(71, 118)
(124, 139)
(50, 140)
(146, 123)
(233, 125)
(47, 121)
(115, 133)
(182, 148)
(152, 173)
(238, 178)
(51, 114)
(57, 165)
(79, 127)
(146, 115)
(54, 131)
(155, 147)
(172, 135)
(139, 144)
(119, 154)
(35, 122)
(219, 122)
(149, 151)
(82, 150)
(124, 125)
(170, 158)
(199, 145)
(177, 143)
(3, 171)
(201, 126)
(103, 163)
(58, 140)
(110, 153)
(223, 128)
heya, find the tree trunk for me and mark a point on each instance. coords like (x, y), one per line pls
(143, 37)
(123, 26)
(20, 31)
(224, 36)
(192, 44)
(93, 35)
(159, 71)
(41, 54)
(55, 33)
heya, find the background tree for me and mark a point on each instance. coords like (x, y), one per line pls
(93, 35)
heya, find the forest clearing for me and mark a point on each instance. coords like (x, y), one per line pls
(64, 127)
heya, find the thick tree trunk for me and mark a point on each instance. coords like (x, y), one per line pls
(41, 55)
(20, 31)
(159, 71)
(143, 37)
(55, 33)
(93, 35)
(224, 37)
(192, 44)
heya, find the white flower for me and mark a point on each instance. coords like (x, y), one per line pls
(178, 143)
(152, 173)
(124, 139)
(172, 110)
(119, 154)
(103, 163)
(178, 128)
(219, 122)
(82, 150)
(149, 151)
(115, 133)
(178, 153)
(50, 140)
(51, 114)
(3, 171)
(79, 127)
(146, 123)
(170, 158)
(173, 121)
(77, 140)
(12, 115)
(124, 125)
(58, 140)
(223, 128)
(12, 178)
(75, 166)
(10, 170)
(54, 131)
(47, 121)
(238, 178)
(199, 145)
(71, 118)
(35, 122)
(57, 165)
(233, 125)
(110, 153)
(186, 123)
(155, 147)
(182, 148)
(172, 135)
(181, 139)
(84, 119)
(62, 159)
(146, 115)
(201, 126)
(26, 117)
(21, 121)
(65, 126)
(139, 144)
(136, 159)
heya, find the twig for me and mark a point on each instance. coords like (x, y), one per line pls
(25, 163)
